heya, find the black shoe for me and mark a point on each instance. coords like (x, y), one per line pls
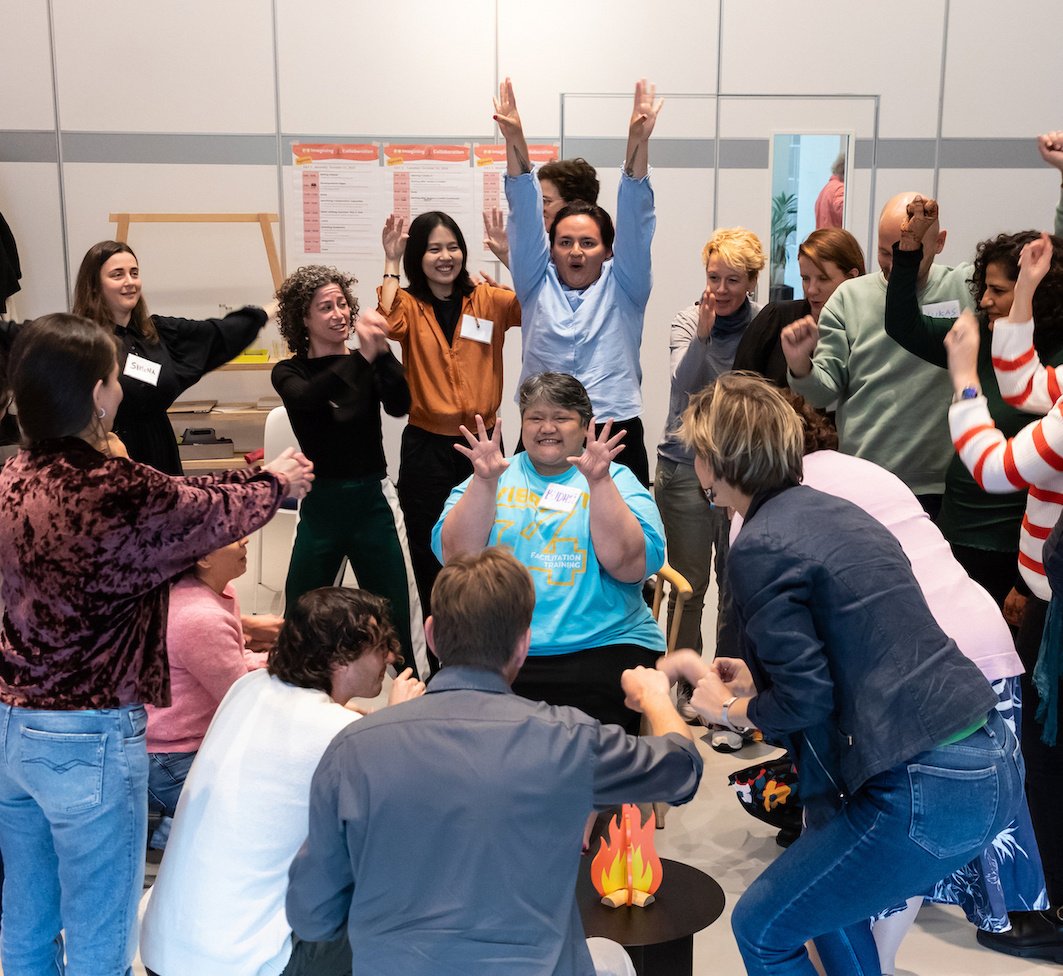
(786, 836)
(1033, 935)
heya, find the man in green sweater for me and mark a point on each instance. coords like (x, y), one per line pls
(891, 406)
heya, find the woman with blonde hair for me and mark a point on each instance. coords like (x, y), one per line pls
(907, 769)
(703, 341)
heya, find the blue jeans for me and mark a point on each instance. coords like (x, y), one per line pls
(167, 772)
(902, 831)
(73, 824)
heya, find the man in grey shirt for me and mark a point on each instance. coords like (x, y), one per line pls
(445, 834)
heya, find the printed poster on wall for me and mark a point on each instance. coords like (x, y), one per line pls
(490, 167)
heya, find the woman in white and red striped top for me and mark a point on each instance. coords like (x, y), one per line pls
(1034, 459)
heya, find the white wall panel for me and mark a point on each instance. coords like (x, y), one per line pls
(673, 45)
(25, 55)
(408, 67)
(1004, 69)
(165, 66)
(29, 201)
(187, 269)
(836, 46)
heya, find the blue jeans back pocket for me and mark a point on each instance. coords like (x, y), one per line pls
(63, 770)
(952, 809)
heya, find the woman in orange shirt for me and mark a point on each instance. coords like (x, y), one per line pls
(451, 332)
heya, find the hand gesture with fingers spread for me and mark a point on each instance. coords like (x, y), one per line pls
(594, 462)
(394, 238)
(484, 452)
(495, 238)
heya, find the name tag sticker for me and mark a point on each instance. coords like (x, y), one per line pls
(142, 369)
(558, 498)
(943, 310)
(479, 330)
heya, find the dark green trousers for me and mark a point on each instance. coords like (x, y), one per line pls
(352, 518)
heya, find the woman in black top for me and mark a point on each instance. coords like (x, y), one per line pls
(333, 398)
(160, 356)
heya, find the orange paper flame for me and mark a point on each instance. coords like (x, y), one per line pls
(628, 861)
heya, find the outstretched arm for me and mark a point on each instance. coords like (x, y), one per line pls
(643, 118)
(508, 119)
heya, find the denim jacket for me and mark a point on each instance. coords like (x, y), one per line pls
(841, 642)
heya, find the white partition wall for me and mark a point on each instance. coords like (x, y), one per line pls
(191, 105)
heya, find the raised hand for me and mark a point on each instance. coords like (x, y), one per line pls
(295, 469)
(645, 110)
(1050, 146)
(961, 346)
(506, 114)
(594, 462)
(372, 331)
(706, 314)
(922, 213)
(393, 238)
(484, 452)
(495, 238)
(799, 340)
(404, 687)
(1035, 260)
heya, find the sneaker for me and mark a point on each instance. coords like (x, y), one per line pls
(724, 740)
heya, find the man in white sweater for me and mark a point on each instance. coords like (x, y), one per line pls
(217, 906)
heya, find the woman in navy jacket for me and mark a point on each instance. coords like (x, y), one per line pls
(906, 769)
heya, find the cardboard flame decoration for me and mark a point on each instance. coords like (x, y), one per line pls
(626, 870)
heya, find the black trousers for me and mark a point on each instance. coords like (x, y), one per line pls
(634, 453)
(588, 680)
(1044, 763)
(429, 468)
(994, 571)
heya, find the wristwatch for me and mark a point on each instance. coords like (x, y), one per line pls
(724, 720)
(967, 393)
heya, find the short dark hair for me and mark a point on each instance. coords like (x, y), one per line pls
(55, 363)
(580, 208)
(417, 246)
(327, 627)
(88, 292)
(295, 295)
(482, 605)
(559, 389)
(1004, 250)
(575, 179)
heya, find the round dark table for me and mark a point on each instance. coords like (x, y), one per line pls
(660, 937)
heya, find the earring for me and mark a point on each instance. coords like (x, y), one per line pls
(101, 413)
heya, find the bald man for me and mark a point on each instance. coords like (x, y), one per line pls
(891, 406)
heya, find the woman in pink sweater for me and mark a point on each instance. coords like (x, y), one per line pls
(207, 650)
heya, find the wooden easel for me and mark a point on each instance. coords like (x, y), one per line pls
(264, 221)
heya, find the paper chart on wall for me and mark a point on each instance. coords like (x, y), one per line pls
(338, 198)
(490, 167)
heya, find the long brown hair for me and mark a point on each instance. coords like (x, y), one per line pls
(88, 295)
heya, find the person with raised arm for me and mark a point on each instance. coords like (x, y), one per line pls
(583, 286)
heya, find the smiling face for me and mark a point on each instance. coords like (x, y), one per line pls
(999, 293)
(578, 252)
(819, 284)
(729, 285)
(120, 286)
(442, 261)
(551, 434)
(328, 321)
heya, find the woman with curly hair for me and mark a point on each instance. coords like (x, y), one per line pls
(982, 529)
(333, 396)
(161, 356)
(451, 332)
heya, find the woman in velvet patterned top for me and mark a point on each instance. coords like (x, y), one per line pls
(90, 541)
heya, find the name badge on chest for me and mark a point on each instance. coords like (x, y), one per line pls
(942, 310)
(479, 330)
(142, 369)
(558, 498)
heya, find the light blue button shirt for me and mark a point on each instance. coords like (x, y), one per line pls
(593, 334)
